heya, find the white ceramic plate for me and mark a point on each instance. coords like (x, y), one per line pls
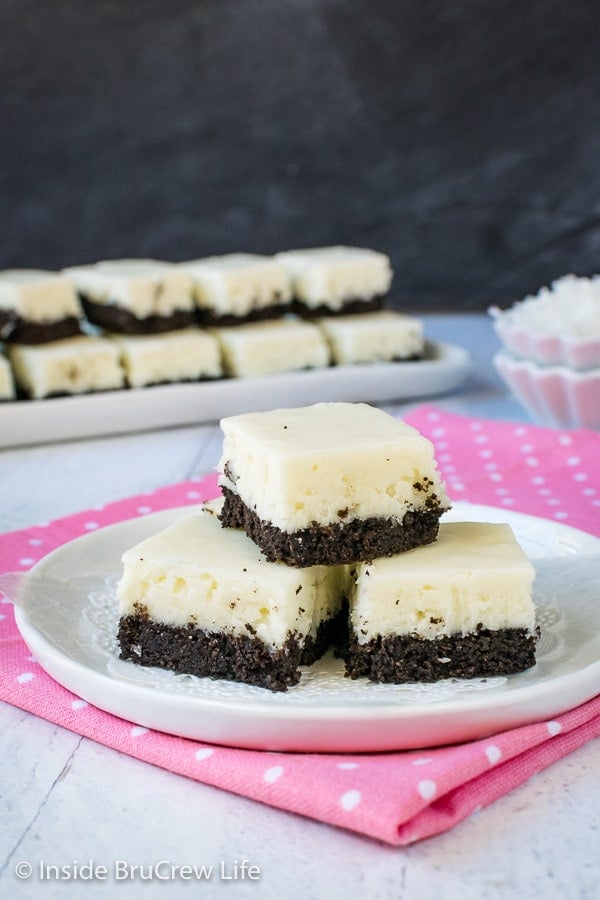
(66, 612)
(63, 418)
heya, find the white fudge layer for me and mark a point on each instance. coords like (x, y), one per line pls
(184, 355)
(294, 467)
(474, 574)
(38, 296)
(372, 337)
(238, 283)
(216, 579)
(265, 348)
(71, 366)
(145, 287)
(333, 275)
(7, 384)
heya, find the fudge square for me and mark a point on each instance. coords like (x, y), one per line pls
(37, 307)
(459, 608)
(330, 483)
(202, 600)
(333, 280)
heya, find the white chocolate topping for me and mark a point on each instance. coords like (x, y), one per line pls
(71, 366)
(334, 275)
(145, 287)
(7, 385)
(265, 348)
(238, 283)
(184, 355)
(216, 579)
(38, 296)
(372, 337)
(474, 574)
(294, 467)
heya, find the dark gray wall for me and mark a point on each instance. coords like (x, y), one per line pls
(462, 138)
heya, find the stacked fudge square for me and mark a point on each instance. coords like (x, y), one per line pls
(328, 534)
(41, 322)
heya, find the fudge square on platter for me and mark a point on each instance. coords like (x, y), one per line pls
(329, 484)
(76, 365)
(461, 607)
(37, 307)
(200, 599)
(331, 280)
(380, 336)
(135, 296)
(238, 287)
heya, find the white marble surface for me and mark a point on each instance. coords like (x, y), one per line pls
(65, 799)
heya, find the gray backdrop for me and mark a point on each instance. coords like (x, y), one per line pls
(463, 138)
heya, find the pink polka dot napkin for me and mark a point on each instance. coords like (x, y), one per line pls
(398, 797)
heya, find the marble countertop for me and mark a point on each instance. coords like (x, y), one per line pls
(66, 799)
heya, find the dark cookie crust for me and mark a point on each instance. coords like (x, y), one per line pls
(123, 321)
(399, 659)
(208, 318)
(351, 306)
(191, 651)
(7, 323)
(25, 331)
(337, 543)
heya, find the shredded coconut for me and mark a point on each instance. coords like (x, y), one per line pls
(570, 306)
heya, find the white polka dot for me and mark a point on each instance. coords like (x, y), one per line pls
(588, 492)
(481, 439)
(476, 426)
(493, 753)
(595, 502)
(553, 501)
(32, 659)
(35, 542)
(450, 469)
(526, 448)
(496, 476)
(553, 728)
(427, 789)
(26, 561)
(433, 416)
(444, 457)
(580, 476)
(520, 431)
(78, 704)
(2, 616)
(203, 753)
(485, 454)
(273, 774)
(422, 761)
(439, 432)
(90, 526)
(24, 677)
(532, 461)
(347, 765)
(193, 495)
(490, 467)
(507, 501)
(144, 510)
(561, 514)
(565, 440)
(501, 491)
(544, 492)
(573, 461)
(138, 731)
(538, 479)
(442, 445)
(458, 486)
(350, 799)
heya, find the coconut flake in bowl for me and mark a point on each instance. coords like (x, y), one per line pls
(560, 325)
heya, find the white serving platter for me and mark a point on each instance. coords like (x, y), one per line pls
(67, 614)
(22, 422)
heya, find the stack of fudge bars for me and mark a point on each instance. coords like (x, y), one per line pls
(134, 323)
(327, 535)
